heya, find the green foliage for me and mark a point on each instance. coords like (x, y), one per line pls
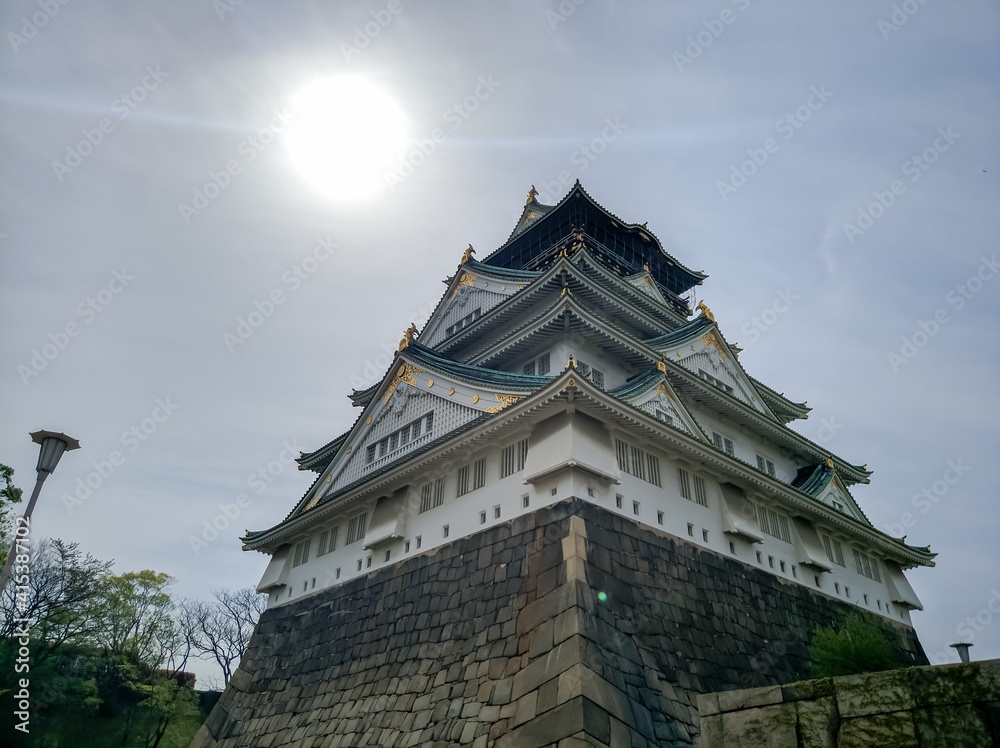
(9, 494)
(858, 646)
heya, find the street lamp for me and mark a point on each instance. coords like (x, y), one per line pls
(53, 446)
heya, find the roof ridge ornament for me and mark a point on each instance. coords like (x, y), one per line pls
(703, 308)
(408, 336)
(829, 462)
(532, 194)
(467, 255)
(571, 364)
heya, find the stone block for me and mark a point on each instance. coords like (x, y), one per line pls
(871, 693)
(951, 726)
(708, 704)
(760, 727)
(525, 708)
(892, 730)
(549, 666)
(749, 697)
(956, 683)
(807, 689)
(818, 722)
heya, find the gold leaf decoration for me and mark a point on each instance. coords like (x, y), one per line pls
(475, 399)
(405, 375)
(467, 279)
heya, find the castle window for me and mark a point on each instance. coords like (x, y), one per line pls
(356, 528)
(399, 438)
(482, 518)
(445, 531)
(336, 574)
(635, 461)
(704, 535)
(327, 541)
(406, 547)
(717, 382)
(773, 523)
(359, 564)
(782, 565)
(635, 507)
(496, 512)
(464, 322)
(543, 363)
(525, 501)
(699, 495)
(618, 500)
(732, 547)
(368, 562)
(432, 495)
(724, 443)
(834, 550)
(866, 566)
(479, 473)
(387, 554)
(760, 558)
(512, 458)
(765, 466)
(418, 541)
(301, 553)
(659, 518)
(690, 529)
(595, 376)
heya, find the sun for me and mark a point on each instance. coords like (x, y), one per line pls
(345, 134)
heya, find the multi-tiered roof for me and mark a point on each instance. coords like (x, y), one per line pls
(573, 278)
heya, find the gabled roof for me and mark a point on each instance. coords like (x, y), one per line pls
(627, 247)
(473, 374)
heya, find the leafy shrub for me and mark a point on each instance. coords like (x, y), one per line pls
(858, 646)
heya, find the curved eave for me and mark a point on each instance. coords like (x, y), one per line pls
(477, 375)
(550, 282)
(495, 272)
(778, 401)
(693, 329)
(688, 278)
(360, 398)
(639, 384)
(685, 382)
(549, 324)
(320, 458)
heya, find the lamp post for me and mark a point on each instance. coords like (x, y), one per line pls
(53, 446)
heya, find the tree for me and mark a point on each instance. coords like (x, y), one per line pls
(135, 617)
(858, 646)
(221, 629)
(9, 494)
(63, 591)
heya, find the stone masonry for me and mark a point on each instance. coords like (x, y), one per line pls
(568, 627)
(948, 706)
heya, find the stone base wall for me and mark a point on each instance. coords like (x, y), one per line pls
(948, 706)
(568, 627)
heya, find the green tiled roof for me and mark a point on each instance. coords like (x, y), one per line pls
(475, 266)
(639, 384)
(814, 478)
(692, 328)
(474, 374)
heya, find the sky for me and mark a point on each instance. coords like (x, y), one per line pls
(179, 293)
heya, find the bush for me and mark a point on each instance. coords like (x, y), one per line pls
(858, 646)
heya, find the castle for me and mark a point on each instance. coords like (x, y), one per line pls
(563, 393)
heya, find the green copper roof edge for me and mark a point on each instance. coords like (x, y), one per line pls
(484, 268)
(471, 373)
